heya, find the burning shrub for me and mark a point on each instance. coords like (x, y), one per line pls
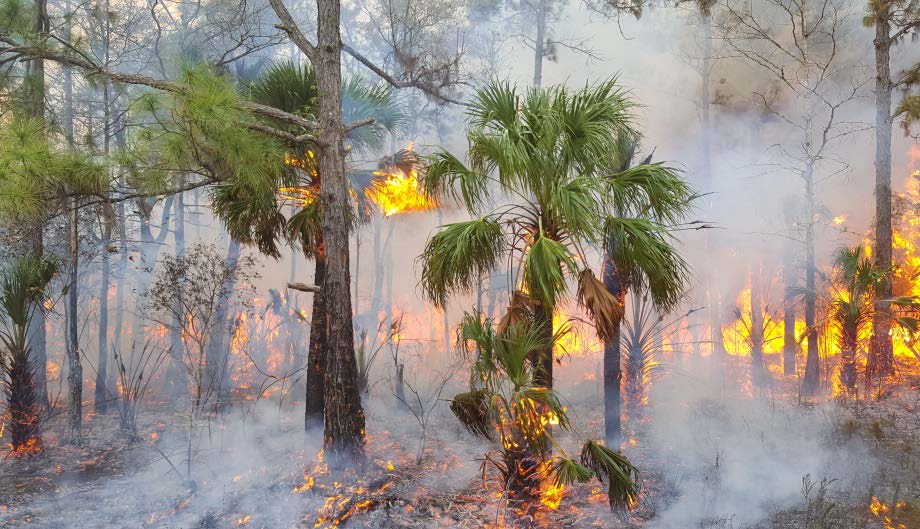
(504, 404)
(22, 294)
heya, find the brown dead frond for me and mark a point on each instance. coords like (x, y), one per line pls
(605, 309)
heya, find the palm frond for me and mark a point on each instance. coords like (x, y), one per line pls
(605, 309)
(612, 468)
(473, 410)
(545, 267)
(457, 256)
(645, 256)
(567, 471)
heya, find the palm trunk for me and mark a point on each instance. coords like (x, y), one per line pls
(848, 340)
(613, 372)
(881, 354)
(317, 351)
(543, 362)
(343, 414)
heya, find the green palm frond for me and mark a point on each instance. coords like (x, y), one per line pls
(23, 287)
(513, 347)
(446, 176)
(646, 257)
(567, 471)
(651, 190)
(288, 86)
(574, 206)
(457, 256)
(304, 228)
(545, 267)
(361, 100)
(612, 468)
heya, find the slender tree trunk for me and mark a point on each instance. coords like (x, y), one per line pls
(37, 332)
(317, 350)
(344, 416)
(881, 354)
(613, 372)
(543, 362)
(216, 383)
(790, 340)
(812, 370)
(74, 362)
(757, 367)
(712, 292)
(539, 42)
(176, 374)
(100, 403)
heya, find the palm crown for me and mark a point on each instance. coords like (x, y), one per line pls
(556, 155)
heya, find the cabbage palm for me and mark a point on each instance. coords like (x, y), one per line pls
(505, 403)
(639, 255)
(259, 217)
(23, 287)
(553, 153)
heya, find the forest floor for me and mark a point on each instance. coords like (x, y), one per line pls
(706, 463)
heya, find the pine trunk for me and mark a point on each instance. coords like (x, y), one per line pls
(812, 373)
(316, 356)
(881, 354)
(343, 414)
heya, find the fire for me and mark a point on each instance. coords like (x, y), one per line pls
(399, 192)
(903, 515)
(838, 220)
(298, 195)
(243, 520)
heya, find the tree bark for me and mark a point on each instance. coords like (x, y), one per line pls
(317, 350)
(100, 401)
(881, 353)
(613, 372)
(539, 41)
(37, 332)
(343, 414)
(74, 362)
(812, 378)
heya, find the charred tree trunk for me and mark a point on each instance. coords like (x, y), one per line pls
(22, 403)
(881, 354)
(613, 372)
(317, 350)
(343, 414)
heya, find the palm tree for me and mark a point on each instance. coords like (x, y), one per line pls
(23, 287)
(258, 217)
(555, 153)
(639, 254)
(852, 308)
(506, 403)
